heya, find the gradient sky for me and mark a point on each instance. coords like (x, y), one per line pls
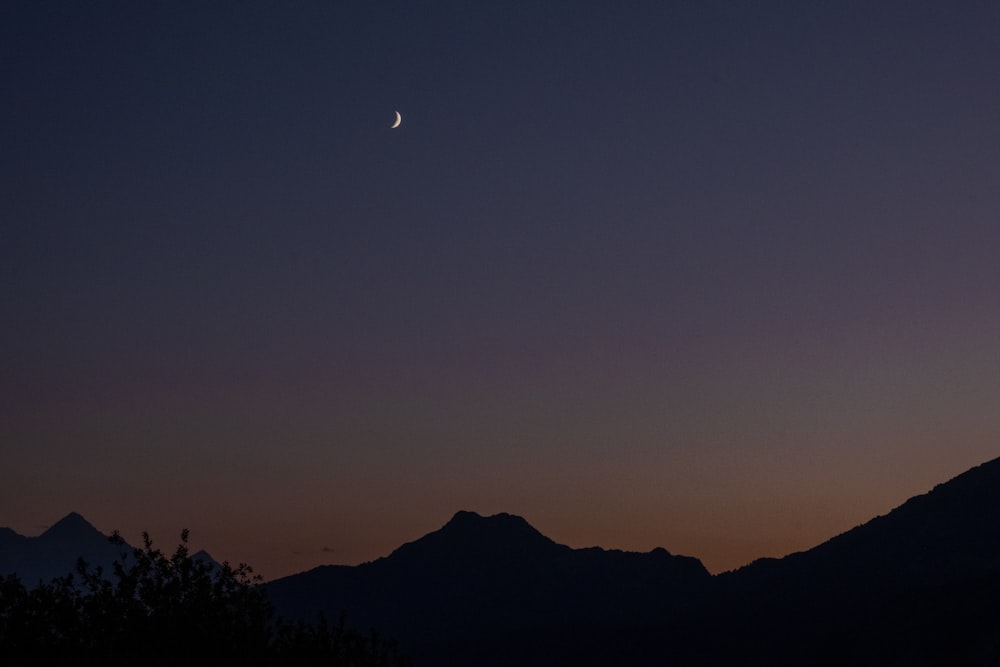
(720, 277)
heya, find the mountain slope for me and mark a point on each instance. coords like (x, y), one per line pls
(950, 533)
(921, 580)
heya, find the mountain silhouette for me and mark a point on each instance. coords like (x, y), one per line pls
(489, 576)
(917, 586)
(9, 539)
(55, 552)
(949, 534)
(875, 583)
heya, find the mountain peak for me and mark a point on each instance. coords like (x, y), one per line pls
(54, 553)
(490, 537)
(203, 556)
(71, 524)
(465, 518)
(495, 530)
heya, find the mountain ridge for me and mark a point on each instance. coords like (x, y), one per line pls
(56, 551)
(920, 580)
(865, 582)
(932, 525)
(477, 576)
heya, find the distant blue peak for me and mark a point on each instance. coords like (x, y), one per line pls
(71, 522)
(203, 556)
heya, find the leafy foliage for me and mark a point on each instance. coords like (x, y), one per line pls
(165, 610)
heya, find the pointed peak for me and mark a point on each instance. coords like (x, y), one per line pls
(203, 556)
(72, 519)
(71, 523)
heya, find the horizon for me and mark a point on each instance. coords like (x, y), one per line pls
(711, 277)
(195, 548)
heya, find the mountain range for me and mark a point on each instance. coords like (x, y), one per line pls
(918, 586)
(56, 551)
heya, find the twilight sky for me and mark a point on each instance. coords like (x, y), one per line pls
(715, 276)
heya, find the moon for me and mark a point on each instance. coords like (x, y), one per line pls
(399, 119)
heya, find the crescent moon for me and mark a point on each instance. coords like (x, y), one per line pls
(399, 119)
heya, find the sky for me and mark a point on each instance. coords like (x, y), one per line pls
(715, 276)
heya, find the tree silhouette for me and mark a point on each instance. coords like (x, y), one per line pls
(166, 610)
